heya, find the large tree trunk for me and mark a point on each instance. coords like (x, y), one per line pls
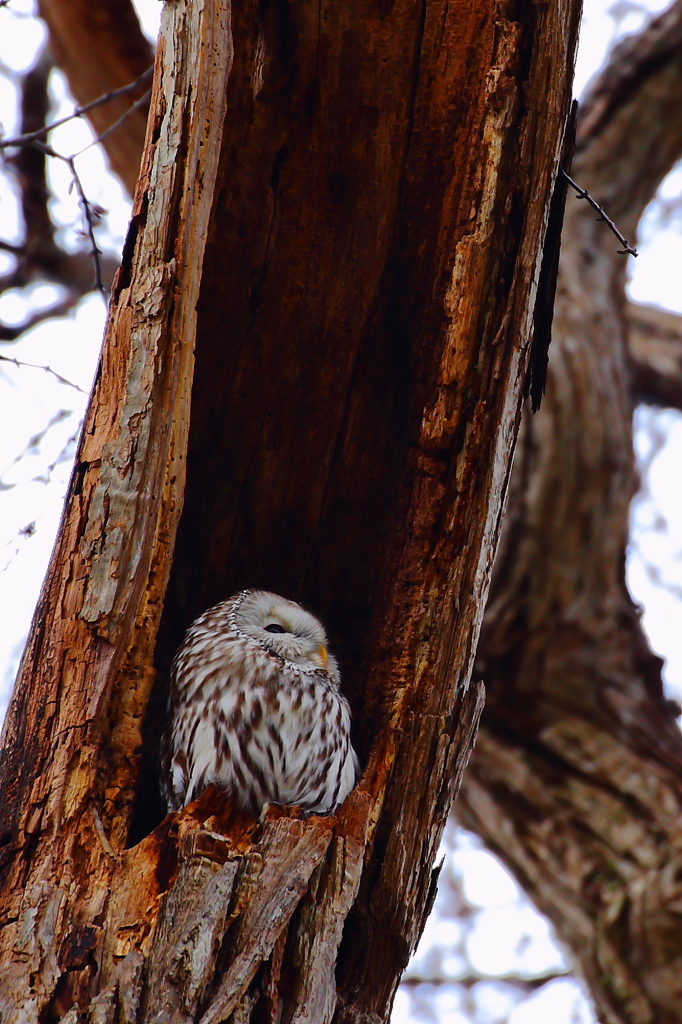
(577, 777)
(342, 209)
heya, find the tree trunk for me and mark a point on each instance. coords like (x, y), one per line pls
(577, 777)
(342, 211)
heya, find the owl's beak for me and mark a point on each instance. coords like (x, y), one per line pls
(322, 653)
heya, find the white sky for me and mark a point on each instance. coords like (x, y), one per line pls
(505, 935)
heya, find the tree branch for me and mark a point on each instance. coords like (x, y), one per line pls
(631, 122)
(39, 255)
(527, 985)
(38, 366)
(88, 212)
(137, 105)
(655, 345)
(100, 47)
(627, 249)
(28, 137)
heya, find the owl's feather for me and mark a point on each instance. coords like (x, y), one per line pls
(255, 708)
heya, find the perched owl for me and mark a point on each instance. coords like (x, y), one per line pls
(255, 708)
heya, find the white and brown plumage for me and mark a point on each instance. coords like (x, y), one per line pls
(255, 708)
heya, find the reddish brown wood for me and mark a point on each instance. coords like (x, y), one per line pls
(70, 738)
(360, 298)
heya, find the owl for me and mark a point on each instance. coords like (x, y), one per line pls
(255, 707)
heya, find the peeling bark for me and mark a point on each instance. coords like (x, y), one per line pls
(577, 777)
(343, 213)
(69, 748)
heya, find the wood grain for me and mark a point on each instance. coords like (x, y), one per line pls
(341, 214)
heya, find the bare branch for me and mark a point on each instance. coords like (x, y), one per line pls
(88, 212)
(29, 137)
(37, 253)
(117, 123)
(627, 249)
(47, 369)
(469, 980)
(32, 139)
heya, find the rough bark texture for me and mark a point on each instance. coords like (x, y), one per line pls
(99, 46)
(70, 737)
(347, 220)
(577, 777)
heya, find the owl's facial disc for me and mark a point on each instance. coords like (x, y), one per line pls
(288, 630)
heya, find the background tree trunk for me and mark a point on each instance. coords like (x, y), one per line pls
(576, 780)
(343, 211)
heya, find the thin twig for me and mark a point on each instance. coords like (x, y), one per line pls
(117, 123)
(47, 369)
(95, 252)
(29, 137)
(627, 249)
(469, 980)
(34, 139)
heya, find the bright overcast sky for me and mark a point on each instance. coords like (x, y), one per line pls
(39, 419)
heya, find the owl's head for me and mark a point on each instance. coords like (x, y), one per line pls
(286, 629)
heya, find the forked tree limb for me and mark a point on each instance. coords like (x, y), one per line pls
(631, 122)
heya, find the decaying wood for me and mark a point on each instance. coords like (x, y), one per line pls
(577, 777)
(69, 746)
(99, 46)
(343, 213)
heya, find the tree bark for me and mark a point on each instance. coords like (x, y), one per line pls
(577, 777)
(99, 46)
(343, 212)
